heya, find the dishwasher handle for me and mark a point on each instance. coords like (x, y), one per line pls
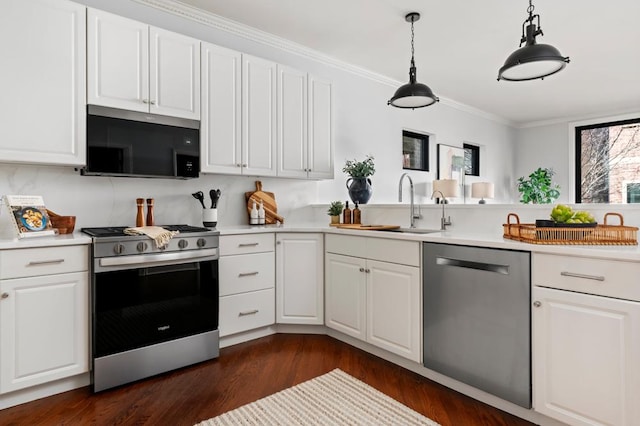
(491, 267)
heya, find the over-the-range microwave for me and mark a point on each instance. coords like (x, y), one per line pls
(129, 143)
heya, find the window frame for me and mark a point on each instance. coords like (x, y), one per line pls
(424, 138)
(475, 159)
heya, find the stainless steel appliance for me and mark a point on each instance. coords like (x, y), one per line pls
(477, 326)
(153, 310)
(129, 143)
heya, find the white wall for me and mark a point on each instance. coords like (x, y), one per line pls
(363, 124)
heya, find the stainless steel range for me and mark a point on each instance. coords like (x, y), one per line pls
(153, 309)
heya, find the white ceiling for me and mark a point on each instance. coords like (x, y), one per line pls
(461, 44)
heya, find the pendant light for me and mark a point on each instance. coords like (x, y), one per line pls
(413, 94)
(533, 60)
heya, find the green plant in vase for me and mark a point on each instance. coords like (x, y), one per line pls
(335, 210)
(359, 184)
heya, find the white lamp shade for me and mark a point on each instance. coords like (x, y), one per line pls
(482, 190)
(448, 187)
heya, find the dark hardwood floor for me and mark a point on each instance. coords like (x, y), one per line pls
(245, 373)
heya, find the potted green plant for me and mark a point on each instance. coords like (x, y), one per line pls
(538, 188)
(359, 184)
(335, 210)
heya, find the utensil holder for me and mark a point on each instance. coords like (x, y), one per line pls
(210, 218)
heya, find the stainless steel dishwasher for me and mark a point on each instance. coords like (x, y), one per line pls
(476, 314)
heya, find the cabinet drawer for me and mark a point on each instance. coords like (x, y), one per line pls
(586, 275)
(382, 249)
(246, 272)
(33, 262)
(246, 243)
(242, 312)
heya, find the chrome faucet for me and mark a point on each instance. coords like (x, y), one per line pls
(413, 213)
(443, 221)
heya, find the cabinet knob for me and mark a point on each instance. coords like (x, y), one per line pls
(361, 269)
(367, 270)
(152, 102)
(145, 101)
(537, 304)
(5, 295)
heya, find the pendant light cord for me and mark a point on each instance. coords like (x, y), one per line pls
(412, 50)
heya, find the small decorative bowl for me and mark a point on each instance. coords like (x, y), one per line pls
(64, 224)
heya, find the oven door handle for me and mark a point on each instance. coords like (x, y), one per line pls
(146, 260)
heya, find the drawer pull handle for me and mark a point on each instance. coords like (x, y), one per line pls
(461, 263)
(44, 262)
(586, 277)
(248, 244)
(247, 274)
(245, 313)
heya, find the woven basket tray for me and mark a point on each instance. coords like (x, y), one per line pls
(600, 235)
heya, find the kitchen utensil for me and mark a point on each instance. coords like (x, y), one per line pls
(215, 196)
(268, 202)
(200, 197)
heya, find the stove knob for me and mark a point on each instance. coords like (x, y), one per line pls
(142, 247)
(118, 248)
(183, 244)
(201, 242)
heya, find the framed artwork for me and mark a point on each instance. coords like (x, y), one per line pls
(450, 162)
(415, 151)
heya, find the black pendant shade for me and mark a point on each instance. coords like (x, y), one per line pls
(534, 60)
(413, 94)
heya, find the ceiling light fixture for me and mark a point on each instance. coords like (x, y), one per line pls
(413, 94)
(533, 60)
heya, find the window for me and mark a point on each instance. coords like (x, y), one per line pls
(471, 160)
(608, 162)
(415, 151)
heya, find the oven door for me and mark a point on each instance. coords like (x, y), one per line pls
(142, 306)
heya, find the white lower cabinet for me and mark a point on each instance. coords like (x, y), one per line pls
(299, 278)
(247, 282)
(586, 347)
(44, 318)
(374, 300)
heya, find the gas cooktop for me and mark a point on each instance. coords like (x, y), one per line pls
(118, 231)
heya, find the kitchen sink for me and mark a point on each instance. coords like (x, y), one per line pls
(412, 230)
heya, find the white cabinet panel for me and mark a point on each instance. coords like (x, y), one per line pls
(117, 61)
(44, 329)
(174, 79)
(292, 122)
(299, 279)
(31, 262)
(246, 311)
(43, 47)
(320, 129)
(221, 125)
(346, 294)
(258, 116)
(246, 243)
(243, 273)
(393, 308)
(586, 352)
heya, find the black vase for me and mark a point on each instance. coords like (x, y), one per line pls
(359, 190)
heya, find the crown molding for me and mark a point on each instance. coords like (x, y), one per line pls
(183, 10)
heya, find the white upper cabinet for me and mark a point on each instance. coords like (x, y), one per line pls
(134, 66)
(220, 128)
(320, 129)
(305, 148)
(258, 116)
(43, 73)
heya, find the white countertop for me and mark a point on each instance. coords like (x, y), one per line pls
(49, 241)
(493, 240)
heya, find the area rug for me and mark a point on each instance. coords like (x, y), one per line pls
(334, 398)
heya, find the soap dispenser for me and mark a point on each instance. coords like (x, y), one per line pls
(346, 214)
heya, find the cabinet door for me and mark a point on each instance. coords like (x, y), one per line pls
(44, 329)
(345, 297)
(117, 62)
(585, 358)
(292, 122)
(258, 116)
(320, 143)
(393, 308)
(220, 131)
(299, 279)
(174, 74)
(43, 48)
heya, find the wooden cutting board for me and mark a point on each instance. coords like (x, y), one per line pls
(368, 227)
(268, 202)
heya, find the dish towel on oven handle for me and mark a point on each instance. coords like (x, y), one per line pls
(158, 234)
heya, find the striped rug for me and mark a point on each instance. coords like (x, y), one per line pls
(334, 398)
